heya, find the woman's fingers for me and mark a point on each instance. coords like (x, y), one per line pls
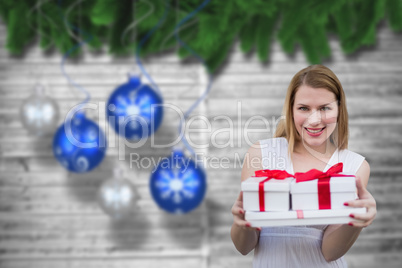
(362, 191)
(364, 220)
(240, 197)
(237, 210)
(245, 224)
(361, 203)
(360, 187)
(366, 201)
(239, 213)
(369, 216)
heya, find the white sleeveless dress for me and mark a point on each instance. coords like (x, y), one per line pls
(296, 246)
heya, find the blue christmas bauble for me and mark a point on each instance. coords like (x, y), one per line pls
(178, 185)
(79, 144)
(135, 110)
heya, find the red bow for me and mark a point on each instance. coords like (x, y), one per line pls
(270, 174)
(324, 190)
(316, 174)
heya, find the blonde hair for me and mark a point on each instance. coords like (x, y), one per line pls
(316, 76)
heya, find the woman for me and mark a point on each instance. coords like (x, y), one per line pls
(314, 134)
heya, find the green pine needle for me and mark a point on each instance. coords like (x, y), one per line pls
(210, 33)
(104, 12)
(264, 33)
(19, 33)
(247, 34)
(394, 11)
(124, 15)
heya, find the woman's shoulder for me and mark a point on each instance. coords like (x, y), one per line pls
(352, 161)
(356, 164)
(349, 155)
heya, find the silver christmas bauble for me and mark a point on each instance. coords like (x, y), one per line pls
(39, 114)
(117, 198)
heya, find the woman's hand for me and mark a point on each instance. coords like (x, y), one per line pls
(365, 200)
(244, 237)
(238, 214)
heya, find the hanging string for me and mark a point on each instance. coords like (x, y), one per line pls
(136, 21)
(173, 33)
(67, 54)
(183, 91)
(68, 11)
(144, 40)
(38, 18)
(210, 77)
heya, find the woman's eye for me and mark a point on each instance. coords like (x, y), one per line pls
(325, 109)
(303, 108)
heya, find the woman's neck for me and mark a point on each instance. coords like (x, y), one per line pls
(325, 150)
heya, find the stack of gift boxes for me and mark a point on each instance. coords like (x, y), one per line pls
(277, 198)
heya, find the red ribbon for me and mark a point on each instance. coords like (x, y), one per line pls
(270, 174)
(324, 190)
(300, 214)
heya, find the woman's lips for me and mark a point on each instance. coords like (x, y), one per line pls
(314, 132)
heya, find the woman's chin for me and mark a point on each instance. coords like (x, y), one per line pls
(314, 143)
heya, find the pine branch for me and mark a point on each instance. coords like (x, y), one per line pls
(44, 30)
(5, 7)
(292, 19)
(60, 28)
(264, 33)
(104, 12)
(367, 14)
(19, 33)
(212, 31)
(92, 32)
(343, 19)
(394, 11)
(247, 34)
(216, 58)
(263, 7)
(314, 43)
(219, 54)
(124, 16)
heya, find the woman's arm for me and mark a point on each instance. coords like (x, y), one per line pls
(244, 237)
(338, 239)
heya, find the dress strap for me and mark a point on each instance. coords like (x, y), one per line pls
(351, 160)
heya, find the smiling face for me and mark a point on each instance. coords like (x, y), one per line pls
(315, 113)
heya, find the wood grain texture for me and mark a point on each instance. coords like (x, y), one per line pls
(50, 218)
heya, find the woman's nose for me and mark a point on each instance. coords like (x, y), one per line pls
(314, 118)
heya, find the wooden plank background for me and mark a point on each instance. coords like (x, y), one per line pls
(50, 218)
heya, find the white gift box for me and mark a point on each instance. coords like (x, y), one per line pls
(276, 194)
(305, 195)
(308, 217)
